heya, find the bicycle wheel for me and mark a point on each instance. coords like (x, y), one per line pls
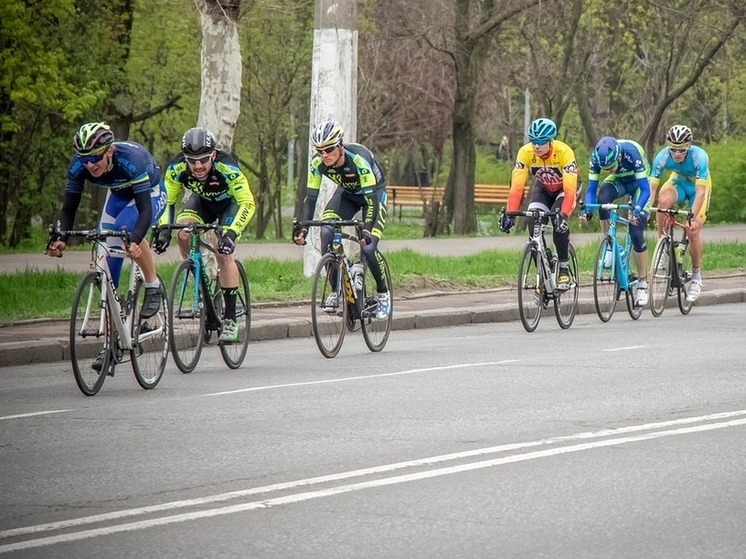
(605, 282)
(90, 335)
(149, 340)
(329, 322)
(660, 276)
(234, 354)
(375, 330)
(530, 290)
(634, 310)
(186, 315)
(566, 302)
(684, 270)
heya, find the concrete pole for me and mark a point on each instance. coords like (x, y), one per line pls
(333, 89)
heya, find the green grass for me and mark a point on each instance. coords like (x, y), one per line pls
(35, 294)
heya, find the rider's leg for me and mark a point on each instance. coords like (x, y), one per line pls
(667, 197)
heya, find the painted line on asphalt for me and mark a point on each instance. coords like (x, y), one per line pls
(308, 495)
(623, 348)
(32, 414)
(365, 377)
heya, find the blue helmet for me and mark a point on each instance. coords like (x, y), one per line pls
(606, 152)
(541, 131)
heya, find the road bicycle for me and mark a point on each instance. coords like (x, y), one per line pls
(672, 264)
(537, 275)
(355, 289)
(105, 327)
(196, 303)
(611, 279)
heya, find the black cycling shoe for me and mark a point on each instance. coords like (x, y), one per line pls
(98, 363)
(152, 302)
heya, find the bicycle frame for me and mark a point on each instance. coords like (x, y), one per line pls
(537, 240)
(619, 267)
(680, 246)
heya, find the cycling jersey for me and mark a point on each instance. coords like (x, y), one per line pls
(225, 182)
(359, 175)
(556, 172)
(694, 168)
(132, 172)
(633, 166)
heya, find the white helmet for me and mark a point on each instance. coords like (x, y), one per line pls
(327, 134)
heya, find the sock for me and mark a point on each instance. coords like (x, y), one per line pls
(155, 283)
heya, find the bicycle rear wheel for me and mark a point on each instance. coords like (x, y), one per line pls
(329, 322)
(375, 330)
(684, 271)
(566, 302)
(186, 315)
(234, 354)
(605, 282)
(634, 310)
(90, 335)
(149, 340)
(530, 290)
(660, 276)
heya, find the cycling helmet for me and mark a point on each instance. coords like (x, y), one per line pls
(198, 141)
(327, 134)
(542, 130)
(679, 135)
(92, 138)
(606, 152)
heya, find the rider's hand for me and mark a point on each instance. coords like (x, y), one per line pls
(561, 224)
(227, 243)
(366, 238)
(56, 248)
(162, 241)
(694, 226)
(635, 217)
(585, 217)
(134, 250)
(507, 224)
(299, 236)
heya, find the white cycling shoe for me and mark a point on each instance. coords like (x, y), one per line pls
(695, 288)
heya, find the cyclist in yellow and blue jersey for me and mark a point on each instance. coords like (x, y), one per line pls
(134, 201)
(627, 170)
(689, 181)
(552, 164)
(361, 186)
(217, 192)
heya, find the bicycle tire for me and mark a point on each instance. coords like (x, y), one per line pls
(685, 277)
(149, 352)
(566, 302)
(90, 334)
(235, 353)
(186, 317)
(660, 276)
(633, 309)
(329, 324)
(375, 330)
(605, 282)
(530, 290)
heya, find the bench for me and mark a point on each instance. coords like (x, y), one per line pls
(417, 196)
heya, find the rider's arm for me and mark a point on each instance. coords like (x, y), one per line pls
(173, 189)
(144, 216)
(312, 188)
(518, 177)
(569, 182)
(238, 188)
(72, 195)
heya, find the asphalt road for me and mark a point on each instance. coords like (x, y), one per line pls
(605, 440)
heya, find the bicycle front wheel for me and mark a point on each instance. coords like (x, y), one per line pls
(328, 316)
(375, 330)
(90, 335)
(684, 271)
(660, 276)
(566, 302)
(149, 339)
(605, 281)
(186, 315)
(234, 354)
(530, 290)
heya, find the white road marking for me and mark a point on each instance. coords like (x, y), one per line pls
(32, 414)
(624, 348)
(364, 377)
(659, 430)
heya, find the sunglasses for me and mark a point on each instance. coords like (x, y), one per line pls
(326, 150)
(540, 143)
(194, 160)
(85, 159)
(677, 150)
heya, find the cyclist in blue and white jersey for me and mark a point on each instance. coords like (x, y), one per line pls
(690, 181)
(134, 201)
(628, 169)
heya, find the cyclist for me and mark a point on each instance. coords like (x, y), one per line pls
(361, 186)
(628, 169)
(552, 163)
(217, 191)
(690, 180)
(134, 201)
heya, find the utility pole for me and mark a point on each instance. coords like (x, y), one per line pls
(333, 89)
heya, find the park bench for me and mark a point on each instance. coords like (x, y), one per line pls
(416, 196)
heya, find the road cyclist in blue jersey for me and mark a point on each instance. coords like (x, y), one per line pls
(690, 182)
(134, 200)
(626, 167)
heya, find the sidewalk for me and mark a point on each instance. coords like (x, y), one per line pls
(40, 341)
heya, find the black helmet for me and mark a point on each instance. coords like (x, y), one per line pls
(198, 141)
